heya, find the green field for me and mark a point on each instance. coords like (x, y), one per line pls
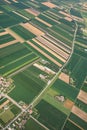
(78, 121)
(77, 67)
(47, 52)
(65, 89)
(50, 116)
(6, 38)
(21, 31)
(26, 14)
(81, 105)
(15, 57)
(9, 19)
(28, 85)
(7, 115)
(32, 125)
(84, 87)
(70, 126)
(50, 98)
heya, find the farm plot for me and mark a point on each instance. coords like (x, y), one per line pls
(12, 60)
(59, 37)
(82, 96)
(81, 105)
(18, 5)
(79, 72)
(51, 98)
(49, 52)
(78, 112)
(8, 114)
(9, 19)
(48, 19)
(84, 86)
(50, 63)
(39, 24)
(46, 53)
(8, 7)
(22, 32)
(49, 4)
(26, 14)
(75, 66)
(78, 121)
(32, 4)
(32, 29)
(51, 15)
(64, 77)
(63, 32)
(32, 11)
(33, 125)
(50, 116)
(65, 89)
(54, 48)
(28, 86)
(42, 21)
(71, 126)
(6, 38)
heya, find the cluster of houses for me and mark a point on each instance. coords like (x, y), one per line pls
(4, 83)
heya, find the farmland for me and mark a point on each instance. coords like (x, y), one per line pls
(65, 89)
(43, 64)
(6, 38)
(8, 114)
(33, 125)
(79, 121)
(21, 31)
(52, 120)
(29, 84)
(15, 59)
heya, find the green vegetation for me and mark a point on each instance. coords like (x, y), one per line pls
(57, 104)
(31, 124)
(77, 67)
(6, 116)
(27, 87)
(2, 100)
(6, 38)
(26, 14)
(65, 89)
(15, 57)
(50, 116)
(78, 121)
(81, 105)
(21, 31)
(70, 126)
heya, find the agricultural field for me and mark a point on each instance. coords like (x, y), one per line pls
(76, 69)
(15, 57)
(54, 118)
(78, 121)
(65, 89)
(32, 124)
(22, 32)
(31, 81)
(8, 111)
(6, 38)
(43, 64)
